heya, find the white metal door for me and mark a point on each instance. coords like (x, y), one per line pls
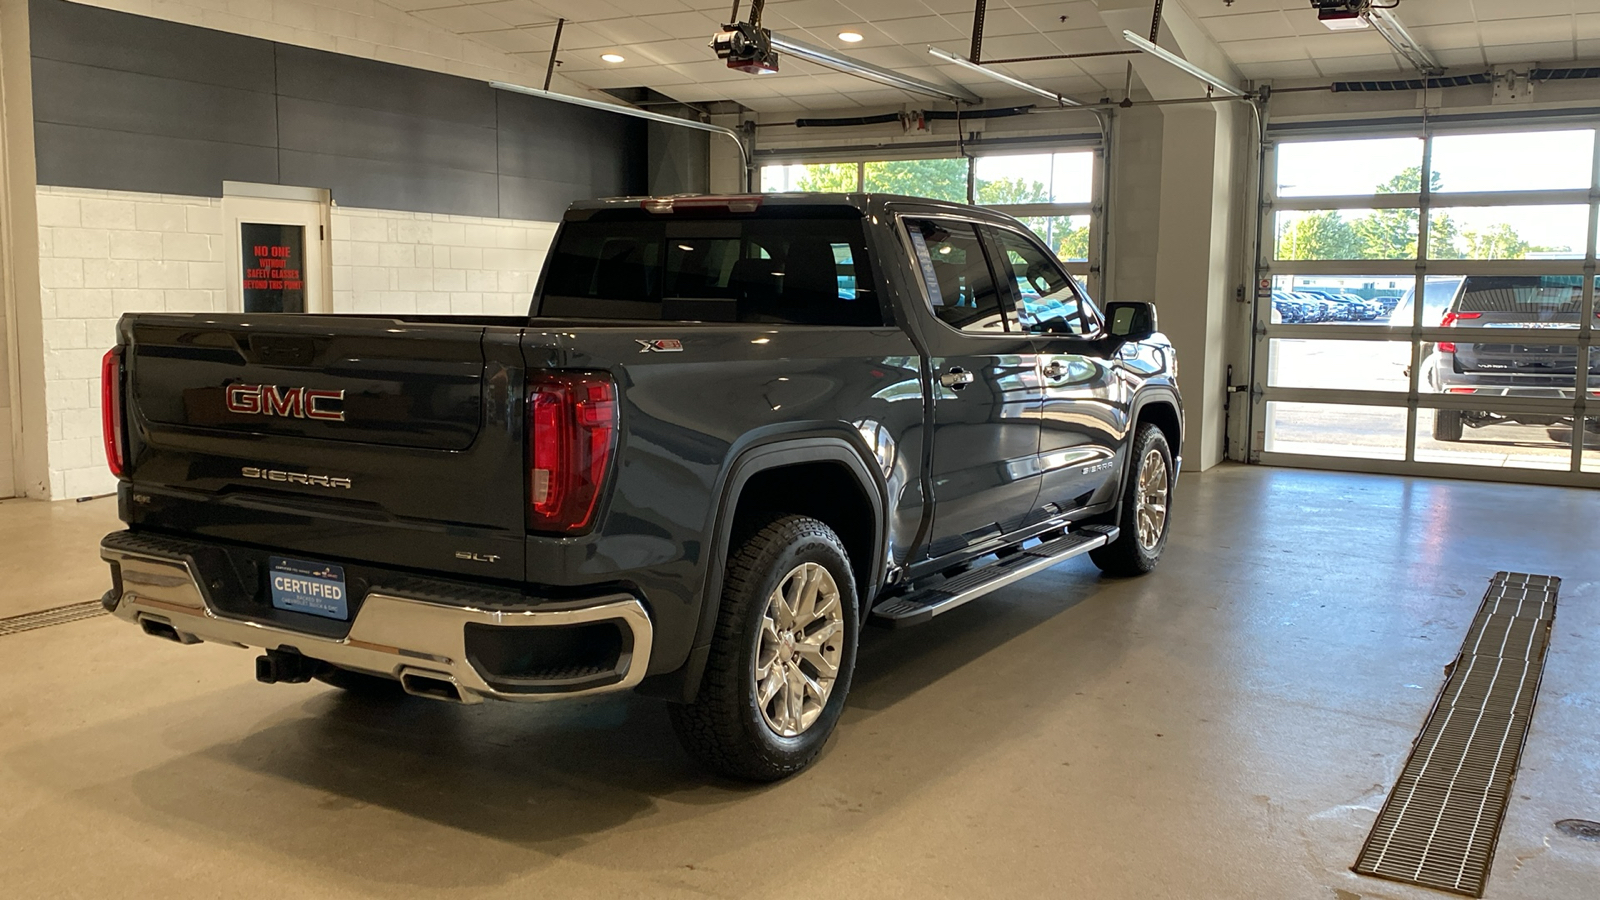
(278, 256)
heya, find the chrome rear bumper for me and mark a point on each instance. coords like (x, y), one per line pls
(392, 635)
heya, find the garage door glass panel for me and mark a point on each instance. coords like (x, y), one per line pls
(1348, 168)
(1495, 436)
(1334, 429)
(1508, 232)
(1346, 234)
(1339, 365)
(1501, 363)
(1066, 236)
(814, 177)
(940, 179)
(1514, 161)
(1034, 178)
(1337, 299)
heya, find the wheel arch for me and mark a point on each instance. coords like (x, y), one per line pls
(768, 470)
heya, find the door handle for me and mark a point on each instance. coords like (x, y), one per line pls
(1054, 371)
(956, 379)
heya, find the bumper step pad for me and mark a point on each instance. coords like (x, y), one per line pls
(914, 609)
(1440, 824)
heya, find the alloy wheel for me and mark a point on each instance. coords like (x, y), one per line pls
(1151, 509)
(799, 649)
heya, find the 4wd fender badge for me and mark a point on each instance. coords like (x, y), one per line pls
(670, 345)
(289, 402)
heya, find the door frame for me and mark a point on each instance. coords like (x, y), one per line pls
(285, 205)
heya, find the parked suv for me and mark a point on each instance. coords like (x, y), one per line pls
(1505, 350)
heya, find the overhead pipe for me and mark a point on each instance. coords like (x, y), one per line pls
(861, 69)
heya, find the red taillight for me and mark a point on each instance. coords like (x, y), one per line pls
(111, 410)
(572, 435)
(1451, 319)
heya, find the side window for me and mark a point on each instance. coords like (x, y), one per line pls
(959, 282)
(1047, 301)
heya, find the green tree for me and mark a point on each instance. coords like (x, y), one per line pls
(1392, 233)
(1324, 235)
(940, 179)
(829, 178)
(1073, 243)
(1008, 191)
(1499, 241)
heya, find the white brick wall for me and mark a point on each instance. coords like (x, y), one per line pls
(101, 254)
(394, 262)
(105, 253)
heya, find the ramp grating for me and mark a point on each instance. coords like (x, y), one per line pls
(44, 618)
(1440, 824)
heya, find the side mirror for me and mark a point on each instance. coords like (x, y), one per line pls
(1131, 321)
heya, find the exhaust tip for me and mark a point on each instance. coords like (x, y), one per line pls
(165, 630)
(437, 687)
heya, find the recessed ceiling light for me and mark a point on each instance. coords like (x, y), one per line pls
(850, 37)
(612, 57)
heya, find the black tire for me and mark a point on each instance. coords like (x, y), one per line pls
(1127, 556)
(724, 726)
(361, 684)
(1448, 425)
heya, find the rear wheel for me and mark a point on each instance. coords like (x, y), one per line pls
(1146, 508)
(1448, 425)
(781, 657)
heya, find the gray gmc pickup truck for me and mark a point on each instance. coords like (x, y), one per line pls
(731, 431)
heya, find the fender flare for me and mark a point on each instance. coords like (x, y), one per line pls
(763, 453)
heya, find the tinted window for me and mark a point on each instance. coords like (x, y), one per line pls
(960, 285)
(797, 271)
(1046, 299)
(1522, 294)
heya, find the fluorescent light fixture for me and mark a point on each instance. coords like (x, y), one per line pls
(619, 109)
(1351, 23)
(613, 57)
(1177, 61)
(1001, 76)
(852, 66)
(851, 37)
(1401, 40)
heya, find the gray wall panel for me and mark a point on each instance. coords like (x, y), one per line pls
(369, 134)
(128, 103)
(534, 198)
(389, 185)
(70, 32)
(349, 81)
(92, 97)
(70, 156)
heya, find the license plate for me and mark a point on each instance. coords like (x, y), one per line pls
(308, 587)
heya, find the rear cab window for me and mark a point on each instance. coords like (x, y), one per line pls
(807, 266)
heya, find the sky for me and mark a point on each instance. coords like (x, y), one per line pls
(1517, 161)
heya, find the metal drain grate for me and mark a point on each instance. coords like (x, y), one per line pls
(72, 612)
(1439, 826)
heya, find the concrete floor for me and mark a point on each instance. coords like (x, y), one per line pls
(1226, 727)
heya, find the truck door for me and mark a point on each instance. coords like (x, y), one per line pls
(1086, 396)
(987, 394)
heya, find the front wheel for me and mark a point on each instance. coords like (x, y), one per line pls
(781, 656)
(1146, 507)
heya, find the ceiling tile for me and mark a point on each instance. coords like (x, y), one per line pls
(1553, 52)
(1447, 37)
(460, 19)
(1252, 26)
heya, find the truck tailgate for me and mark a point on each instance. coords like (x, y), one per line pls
(335, 437)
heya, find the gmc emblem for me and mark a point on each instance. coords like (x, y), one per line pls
(288, 402)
